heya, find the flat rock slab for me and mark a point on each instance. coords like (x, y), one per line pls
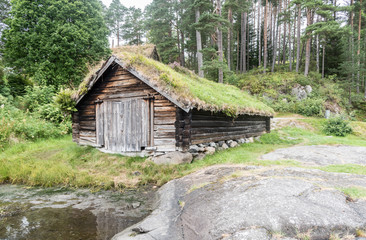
(250, 202)
(320, 155)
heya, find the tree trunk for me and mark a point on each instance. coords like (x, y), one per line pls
(199, 47)
(298, 38)
(294, 39)
(182, 60)
(351, 50)
(323, 59)
(279, 33)
(178, 42)
(275, 23)
(229, 37)
(219, 43)
(243, 49)
(259, 35)
(117, 34)
(270, 28)
(284, 37)
(308, 41)
(359, 47)
(335, 11)
(237, 51)
(265, 38)
(317, 54)
(289, 44)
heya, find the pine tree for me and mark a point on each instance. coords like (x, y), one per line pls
(115, 17)
(133, 26)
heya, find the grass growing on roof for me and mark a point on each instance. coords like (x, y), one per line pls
(192, 90)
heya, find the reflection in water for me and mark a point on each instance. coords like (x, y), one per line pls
(85, 216)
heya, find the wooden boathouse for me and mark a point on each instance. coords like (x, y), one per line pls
(134, 103)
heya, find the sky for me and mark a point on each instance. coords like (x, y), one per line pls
(129, 3)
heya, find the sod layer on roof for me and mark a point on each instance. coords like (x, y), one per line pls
(189, 89)
(193, 91)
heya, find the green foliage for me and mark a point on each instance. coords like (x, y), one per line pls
(158, 18)
(35, 96)
(310, 107)
(133, 27)
(114, 17)
(18, 84)
(64, 100)
(275, 89)
(17, 125)
(53, 41)
(337, 126)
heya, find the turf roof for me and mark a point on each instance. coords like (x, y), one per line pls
(188, 89)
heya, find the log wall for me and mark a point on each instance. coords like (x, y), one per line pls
(116, 84)
(213, 127)
(183, 129)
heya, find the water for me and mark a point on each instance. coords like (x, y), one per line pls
(57, 213)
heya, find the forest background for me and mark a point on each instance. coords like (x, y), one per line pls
(268, 48)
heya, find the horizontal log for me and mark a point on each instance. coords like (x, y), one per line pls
(163, 127)
(84, 133)
(196, 112)
(164, 109)
(224, 123)
(226, 129)
(226, 118)
(87, 123)
(128, 88)
(159, 135)
(87, 139)
(223, 138)
(164, 121)
(161, 142)
(87, 128)
(122, 77)
(220, 134)
(164, 114)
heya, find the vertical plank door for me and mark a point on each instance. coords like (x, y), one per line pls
(123, 126)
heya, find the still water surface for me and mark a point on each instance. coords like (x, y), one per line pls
(58, 213)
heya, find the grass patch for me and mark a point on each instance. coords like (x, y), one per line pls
(346, 168)
(355, 192)
(60, 162)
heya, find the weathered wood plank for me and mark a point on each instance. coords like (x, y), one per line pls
(100, 124)
(214, 123)
(160, 142)
(164, 127)
(164, 109)
(228, 137)
(225, 129)
(164, 121)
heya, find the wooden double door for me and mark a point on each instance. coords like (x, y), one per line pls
(123, 126)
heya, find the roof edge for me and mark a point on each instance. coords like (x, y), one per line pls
(114, 59)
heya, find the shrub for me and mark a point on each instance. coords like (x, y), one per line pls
(17, 84)
(310, 107)
(17, 125)
(337, 127)
(65, 102)
(36, 96)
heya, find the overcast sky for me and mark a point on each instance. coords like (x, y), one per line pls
(128, 3)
